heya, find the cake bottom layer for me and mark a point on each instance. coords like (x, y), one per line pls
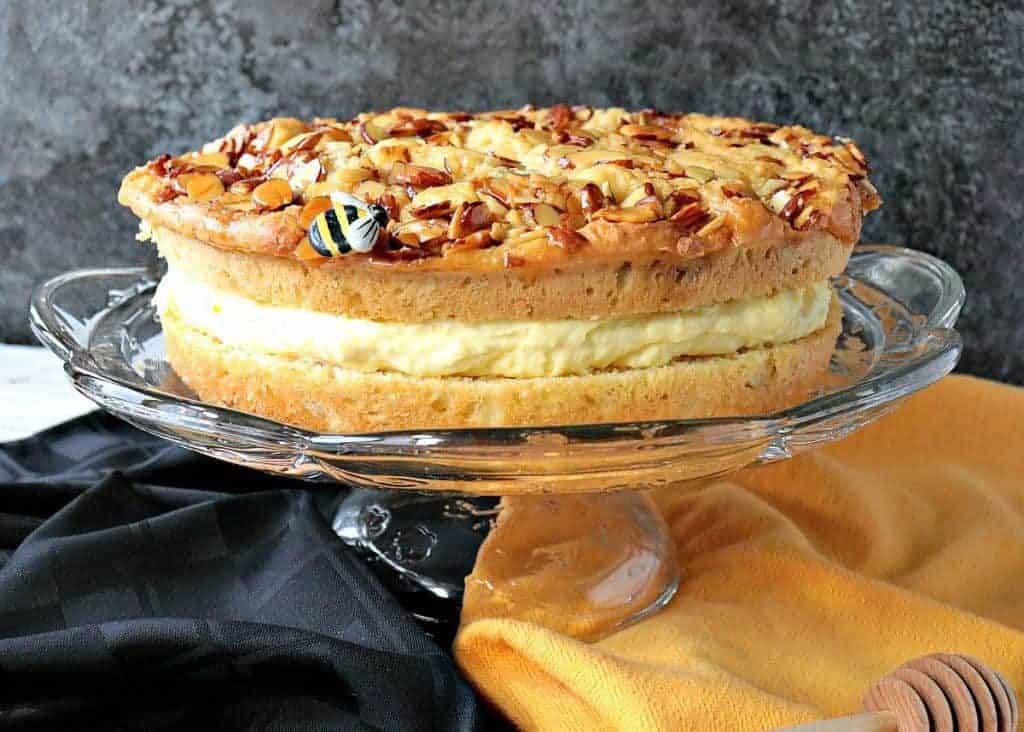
(325, 398)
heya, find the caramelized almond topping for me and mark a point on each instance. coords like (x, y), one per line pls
(273, 194)
(468, 219)
(648, 132)
(431, 210)
(691, 217)
(591, 200)
(478, 240)
(416, 128)
(420, 176)
(201, 186)
(313, 208)
(568, 240)
(535, 174)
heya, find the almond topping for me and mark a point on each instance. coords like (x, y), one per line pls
(418, 175)
(591, 200)
(313, 208)
(541, 214)
(478, 240)
(648, 132)
(568, 240)
(201, 186)
(390, 204)
(416, 128)
(561, 116)
(633, 215)
(431, 210)
(273, 194)
(468, 218)
(691, 217)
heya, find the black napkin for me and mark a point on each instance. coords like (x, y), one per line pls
(225, 601)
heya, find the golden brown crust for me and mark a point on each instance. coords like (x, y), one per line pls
(329, 399)
(601, 290)
(562, 187)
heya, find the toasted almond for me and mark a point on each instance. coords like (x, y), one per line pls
(574, 216)
(418, 232)
(691, 217)
(644, 191)
(469, 217)
(632, 215)
(648, 132)
(201, 186)
(420, 176)
(699, 173)
(369, 190)
(390, 204)
(561, 116)
(541, 214)
(568, 240)
(208, 159)
(416, 128)
(273, 194)
(592, 200)
(313, 208)
(431, 210)
(478, 240)
(499, 230)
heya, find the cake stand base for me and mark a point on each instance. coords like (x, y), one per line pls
(582, 564)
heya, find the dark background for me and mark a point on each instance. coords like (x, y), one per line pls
(931, 90)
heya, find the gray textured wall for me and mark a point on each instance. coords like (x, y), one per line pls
(932, 91)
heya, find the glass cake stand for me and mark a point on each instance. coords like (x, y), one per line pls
(583, 549)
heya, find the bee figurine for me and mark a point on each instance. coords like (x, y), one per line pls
(350, 225)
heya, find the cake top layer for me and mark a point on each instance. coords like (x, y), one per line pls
(528, 188)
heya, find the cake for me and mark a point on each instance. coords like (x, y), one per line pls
(539, 266)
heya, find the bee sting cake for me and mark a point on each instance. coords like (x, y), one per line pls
(566, 265)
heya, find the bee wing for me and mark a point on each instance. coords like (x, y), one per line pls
(362, 235)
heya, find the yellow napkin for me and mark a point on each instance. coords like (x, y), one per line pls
(803, 582)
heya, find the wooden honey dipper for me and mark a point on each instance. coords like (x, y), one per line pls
(938, 693)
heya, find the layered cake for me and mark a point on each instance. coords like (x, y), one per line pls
(565, 265)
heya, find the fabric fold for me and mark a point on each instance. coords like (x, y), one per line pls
(803, 582)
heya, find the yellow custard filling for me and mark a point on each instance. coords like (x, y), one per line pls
(502, 348)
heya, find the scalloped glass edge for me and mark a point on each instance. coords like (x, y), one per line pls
(909, 299)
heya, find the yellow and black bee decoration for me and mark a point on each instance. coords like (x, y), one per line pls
(350, 225)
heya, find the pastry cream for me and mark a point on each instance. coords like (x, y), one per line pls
(508, 348)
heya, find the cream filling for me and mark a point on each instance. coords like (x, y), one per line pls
(510, 348)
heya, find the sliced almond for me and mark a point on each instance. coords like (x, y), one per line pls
(416, 128)
(632, 215)
(638, 193)
(201, 186)
(369, 190)
(478, 240)
(499, 231)
(541, 214)
(313, 208)
(469, 218)
(273, 194)
(592, 200)
(208, 159)
(691, 217)
(568, 240)
(420, 176)
(431, 211)
(418, 232)
(648, 132)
